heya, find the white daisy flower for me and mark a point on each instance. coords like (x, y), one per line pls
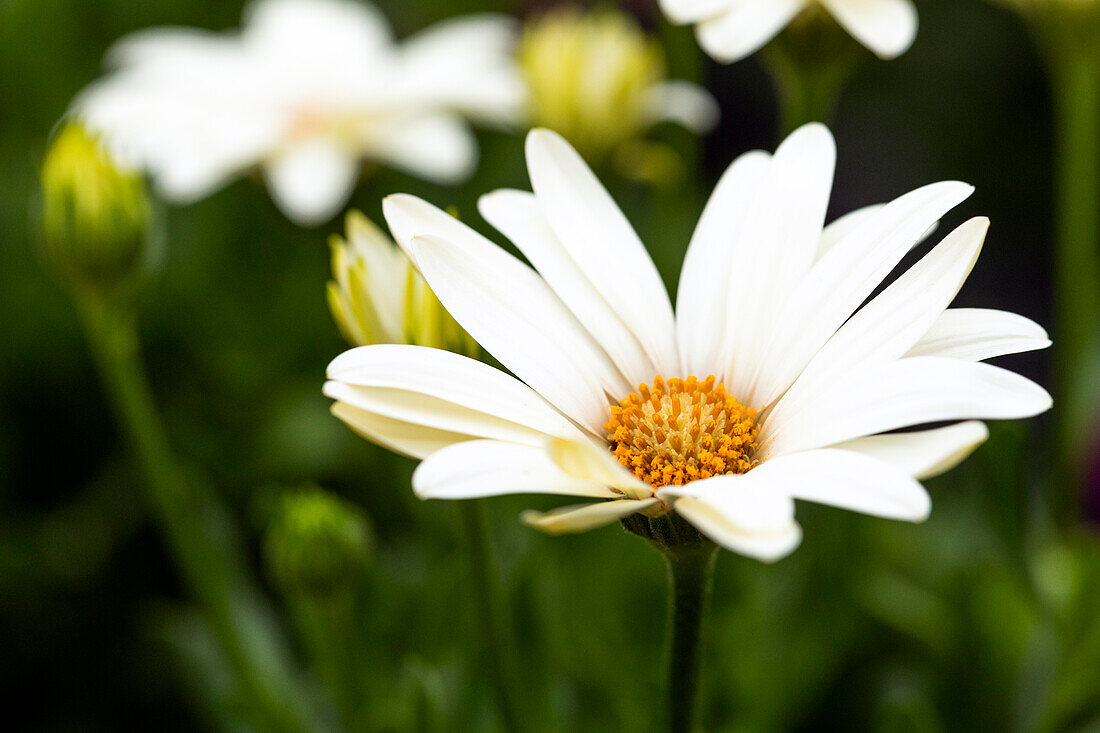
(768, 384)
(730, 30)
(306, 90)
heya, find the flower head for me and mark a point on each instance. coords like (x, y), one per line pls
(730, 30)
(94, 211)
(597, 79)
(768, 383)
(377, 297)
(306, 90)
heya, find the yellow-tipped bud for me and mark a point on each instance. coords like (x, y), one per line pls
(597, 79)
(94, 212)
(377, 297)
(317, 543)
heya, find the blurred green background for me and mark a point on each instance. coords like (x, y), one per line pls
(986, 617)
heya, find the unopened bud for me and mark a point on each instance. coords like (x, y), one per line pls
(597, 79)
(94, 213)
(377, 297)
(317, 543)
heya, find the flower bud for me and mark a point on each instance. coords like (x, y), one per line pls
(377, 297)
(94, 212)
(597, 79)
(317, 543)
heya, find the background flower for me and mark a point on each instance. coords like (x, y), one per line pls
(730, 30)
(307, 90)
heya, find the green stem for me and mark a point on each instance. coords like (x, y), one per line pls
(1076, 77)
(690, 572)
(328, 624)
(193, 522)
(810, 63)
(495, 633)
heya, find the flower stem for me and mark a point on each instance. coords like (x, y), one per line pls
(328, 624)
(690, 572)
(1076, 77)
(193, 522)
(810, 63)
(495, 633)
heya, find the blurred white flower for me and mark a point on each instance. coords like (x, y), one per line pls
(599, 80)
(1055, 5)
(306, 90)
(730, 30)
(377, 297)
(768, 306)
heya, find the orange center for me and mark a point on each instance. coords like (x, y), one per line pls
(681, 431)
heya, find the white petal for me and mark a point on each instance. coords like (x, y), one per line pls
(690, 11)
(517, 215)
(887, 27)
(842, 280)
(976, 334)
(747, 501)
(439, 147)
(888, 326)
(457, 40)
(164, 45)
(574, 519)
(601, 241)
(711, 520)
(782, 232)
(707, 274)
(185, 180)
(410, 439)
(523, 325)
(311, 181)
(924, 453)
(372, 376)
(420, 409)
(844, 225)
(338, 31)
(746, 27)
(584, 459)
(465, 64)
(491, 468)
(911, 391)
(409, 216)
(683, 103)
(847, 480)
(509, 310)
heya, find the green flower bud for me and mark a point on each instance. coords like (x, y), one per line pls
(317, 543)
(599, 80)
(377, 297)
(594, 108)
(94, 213)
